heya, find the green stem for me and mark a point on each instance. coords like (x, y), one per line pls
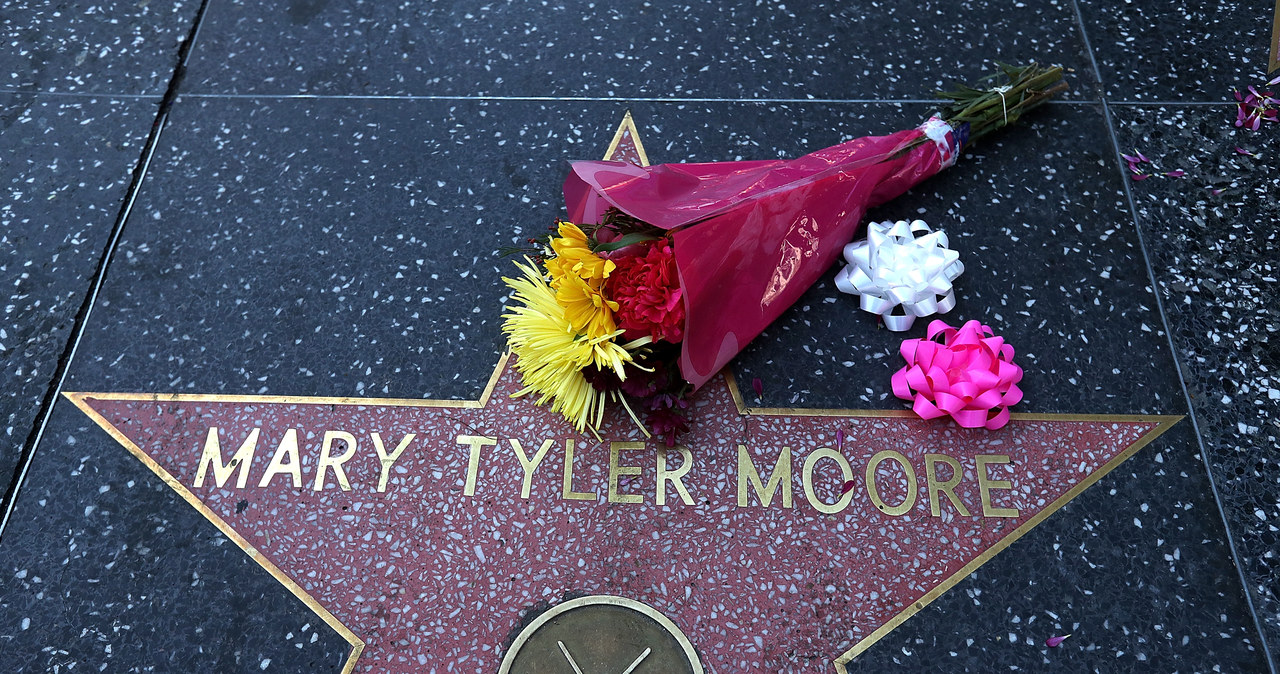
(1021, 88)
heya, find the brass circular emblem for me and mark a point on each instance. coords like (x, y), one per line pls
(601, 634)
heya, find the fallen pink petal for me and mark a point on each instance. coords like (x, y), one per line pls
(1216, 192)
(1176, 173)
(840, 439)
(1255, 107)
(848, 484)
(1141, 176)
(1240, 150)
(758, 387)
(1054, 642)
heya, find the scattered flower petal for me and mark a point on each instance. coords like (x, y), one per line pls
(840, 440)
(1176, 173)
(1053, 642)
(1256, 107)
(1240, 150)
(1216, 192)
(758, 387)
(1140, 176)
(848, 484)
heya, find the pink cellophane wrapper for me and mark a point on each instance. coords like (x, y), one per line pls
(752, 236)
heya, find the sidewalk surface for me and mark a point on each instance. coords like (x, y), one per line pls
(305, 199)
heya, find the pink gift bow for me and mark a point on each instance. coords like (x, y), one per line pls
(966, 376)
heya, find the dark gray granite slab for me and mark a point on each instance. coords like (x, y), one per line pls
(750, 50)
(65, 170)
(1217, 269)
(1179, 50)
(346, 247)
(92, 47)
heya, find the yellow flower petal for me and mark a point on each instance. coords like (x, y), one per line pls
(551, 352)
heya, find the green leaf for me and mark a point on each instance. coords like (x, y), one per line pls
(623, 242)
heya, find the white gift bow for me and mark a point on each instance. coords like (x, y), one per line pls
(894, 266)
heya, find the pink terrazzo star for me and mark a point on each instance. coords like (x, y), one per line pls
(433, 556)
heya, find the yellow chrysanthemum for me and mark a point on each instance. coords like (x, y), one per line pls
(551, 353)
(575, 258)
(578, 276)
(586, 307)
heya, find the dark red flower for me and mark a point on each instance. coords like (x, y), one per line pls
(646, 287)
(668, 423)
(601, 380)
(660, 376)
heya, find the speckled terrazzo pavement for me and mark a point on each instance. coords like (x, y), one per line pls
(79, 88)
(67, 165)
(1218, 271)
(343, 245)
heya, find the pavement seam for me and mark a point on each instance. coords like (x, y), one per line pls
(9, 501)
(1173, 351)
(608, 99)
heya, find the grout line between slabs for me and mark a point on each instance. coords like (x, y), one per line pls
(9, 502)
(565, 99)
(1173, 352)
(587, 99)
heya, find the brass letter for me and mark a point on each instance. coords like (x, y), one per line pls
(909, 501)
(615, 451)
(567, 493)
(386, 460)
(664, 475)
(326, 461)
(212, 456)
(781, 475)
(986, 484)
(806, 479)
(473, 462)
(947, 487)
(529, 465)
(288, 449)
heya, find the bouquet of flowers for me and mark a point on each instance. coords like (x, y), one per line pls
(662, 274)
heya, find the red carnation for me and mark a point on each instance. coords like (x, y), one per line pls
(647, 289)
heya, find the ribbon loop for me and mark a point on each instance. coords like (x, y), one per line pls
(902, 271)
(967, 374)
